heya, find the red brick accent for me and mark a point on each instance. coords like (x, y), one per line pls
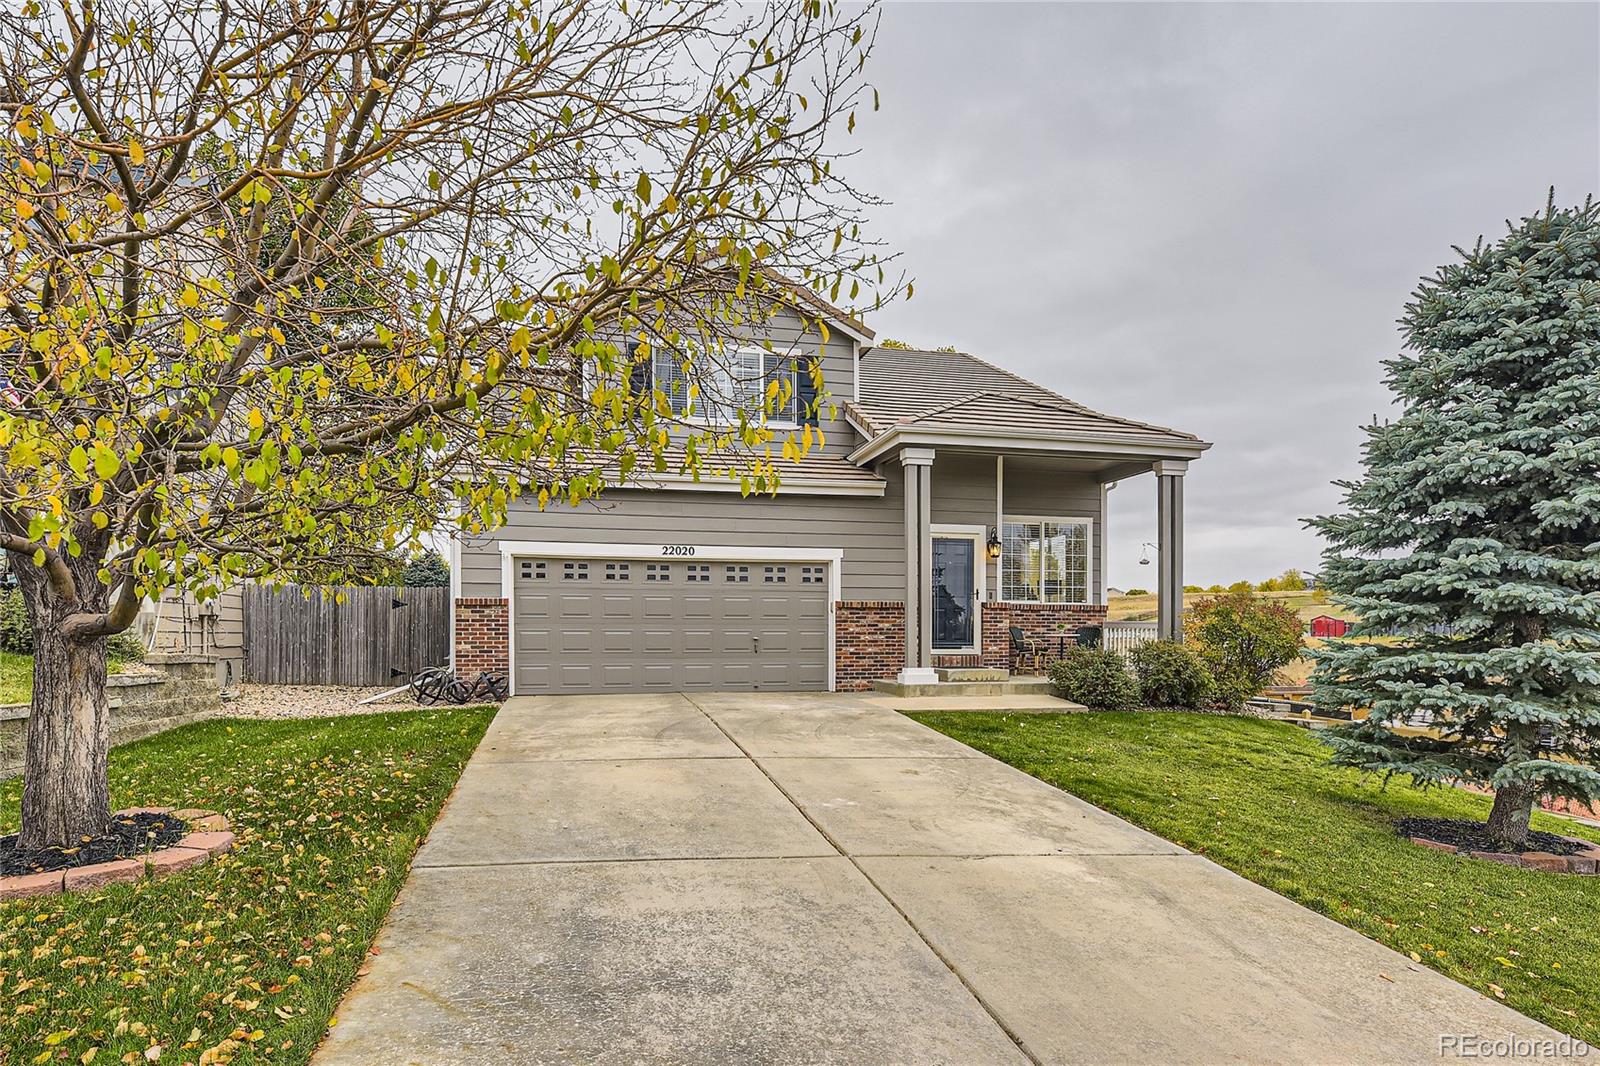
(869, 642)
(193, 849)
(870, 636)
(1056, 624)
(482, 630)
(1582, 863)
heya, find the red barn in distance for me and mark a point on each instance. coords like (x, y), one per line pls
(1325, 625)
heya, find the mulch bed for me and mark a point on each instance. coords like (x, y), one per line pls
(1474, 836)
(128, 835)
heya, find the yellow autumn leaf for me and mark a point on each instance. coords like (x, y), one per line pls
(136, 153)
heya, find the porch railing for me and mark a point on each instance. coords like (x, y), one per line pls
(1125, 636)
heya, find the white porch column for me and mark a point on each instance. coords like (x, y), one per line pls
(918, 670)
(1169, 544)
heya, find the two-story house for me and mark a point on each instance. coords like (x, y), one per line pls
(952, 505)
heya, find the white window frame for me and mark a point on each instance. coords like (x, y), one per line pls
(1088, 557)
(513, 550)
(979, 535)
(733, 357)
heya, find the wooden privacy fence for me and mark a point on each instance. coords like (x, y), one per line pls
(292, 638)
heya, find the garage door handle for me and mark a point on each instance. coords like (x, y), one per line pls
(757, 642)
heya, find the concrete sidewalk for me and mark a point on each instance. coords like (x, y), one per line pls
(721, 878)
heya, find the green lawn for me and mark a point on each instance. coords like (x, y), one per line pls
(254, 950)
(1260, 798)
(16, 677)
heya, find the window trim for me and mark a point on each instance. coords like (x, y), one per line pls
(701, 418)
(1088, 558)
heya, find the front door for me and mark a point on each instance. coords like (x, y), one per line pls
(955, 593)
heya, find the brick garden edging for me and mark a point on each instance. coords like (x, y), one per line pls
(208, 836)
(1585, 862)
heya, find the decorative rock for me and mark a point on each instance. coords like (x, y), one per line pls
(1582, 864)
(195, 849)
(1505, 858)
(118, 871)
(1544, 860)
(215, 843)
(1436, 845)
(23, 885)
(171, 860)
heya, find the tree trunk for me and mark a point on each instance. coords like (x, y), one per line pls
(1508, 819)
(64, 793)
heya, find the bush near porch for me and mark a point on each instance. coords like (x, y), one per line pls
(1260, 798)
(246, 958)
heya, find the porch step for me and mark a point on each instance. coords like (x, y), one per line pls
(1011, 686)
(971, 673)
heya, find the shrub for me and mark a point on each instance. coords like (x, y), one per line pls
(1170, 674)
(1095, 678)
(16, 633)
(125, 647)
(1243, 641)
(1137, 592)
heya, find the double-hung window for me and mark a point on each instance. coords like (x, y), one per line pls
(726, 384)
(1045, 560)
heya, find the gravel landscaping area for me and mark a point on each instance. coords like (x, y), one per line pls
(309, 701)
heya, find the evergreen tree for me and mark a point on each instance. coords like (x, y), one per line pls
(1473, 538)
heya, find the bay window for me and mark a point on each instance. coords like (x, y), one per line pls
(1044, 560)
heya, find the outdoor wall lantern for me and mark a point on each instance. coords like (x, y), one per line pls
(993, 547)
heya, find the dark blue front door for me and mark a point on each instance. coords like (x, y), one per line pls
(954, 591)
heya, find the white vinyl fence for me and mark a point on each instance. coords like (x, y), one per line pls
(1125, 636)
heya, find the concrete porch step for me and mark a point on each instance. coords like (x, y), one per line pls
(971, 673)
(1011, 686)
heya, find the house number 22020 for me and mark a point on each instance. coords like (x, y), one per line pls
(677, 549)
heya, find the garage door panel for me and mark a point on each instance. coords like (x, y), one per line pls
(620, 642)
(598, 625)
(658, 641)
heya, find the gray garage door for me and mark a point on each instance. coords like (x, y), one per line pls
(615, 625)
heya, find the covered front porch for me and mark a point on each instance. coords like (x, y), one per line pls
(1006, 553)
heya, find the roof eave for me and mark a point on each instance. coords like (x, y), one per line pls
(1041, 440)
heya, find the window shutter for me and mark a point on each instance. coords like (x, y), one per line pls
(639, 376)
(805, 391)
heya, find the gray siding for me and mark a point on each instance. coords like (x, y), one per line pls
(180, 624)
(964, 494)
(790, 337)
(870, 531)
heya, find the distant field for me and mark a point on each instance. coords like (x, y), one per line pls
(1143, 608)
(1306, 604)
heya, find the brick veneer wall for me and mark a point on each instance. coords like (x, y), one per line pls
(481, 633)
(1048, 621)
(870, 636)
(869, 642)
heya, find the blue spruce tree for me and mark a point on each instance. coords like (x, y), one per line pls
(1473, 537)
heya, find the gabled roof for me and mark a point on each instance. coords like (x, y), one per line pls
(907, 391)
(837, 315)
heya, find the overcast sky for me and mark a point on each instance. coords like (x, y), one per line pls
(1209, 216)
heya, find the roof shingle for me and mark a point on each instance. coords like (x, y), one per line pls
(905, 386)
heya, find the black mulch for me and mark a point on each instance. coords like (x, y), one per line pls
(1474, 836)
(127, 836)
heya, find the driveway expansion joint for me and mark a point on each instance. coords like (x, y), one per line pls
(949, 964)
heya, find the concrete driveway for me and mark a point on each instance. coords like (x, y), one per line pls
(737, 878)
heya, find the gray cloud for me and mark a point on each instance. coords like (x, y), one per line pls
(1210, 215)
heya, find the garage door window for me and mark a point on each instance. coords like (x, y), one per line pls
(575, 571)
(616, 571)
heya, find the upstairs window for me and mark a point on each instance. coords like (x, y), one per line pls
(1045, 560)
(727, 384)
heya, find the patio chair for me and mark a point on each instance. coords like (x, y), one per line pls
(1026, 650)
